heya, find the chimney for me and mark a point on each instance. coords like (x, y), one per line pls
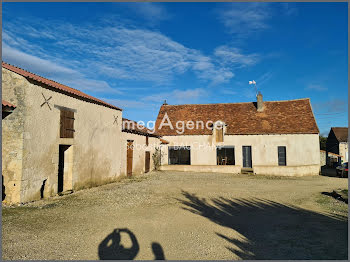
(259, 104)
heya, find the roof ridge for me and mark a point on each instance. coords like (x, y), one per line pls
(297, 99)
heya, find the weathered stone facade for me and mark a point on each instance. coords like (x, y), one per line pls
(31, 141)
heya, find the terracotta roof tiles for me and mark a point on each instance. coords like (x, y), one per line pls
(278, 117)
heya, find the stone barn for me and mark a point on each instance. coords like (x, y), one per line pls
(270, 138)
(56, 139)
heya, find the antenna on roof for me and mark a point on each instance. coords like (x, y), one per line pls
(165, 103)
(254, 83)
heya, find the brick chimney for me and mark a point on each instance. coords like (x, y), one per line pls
(259, 104)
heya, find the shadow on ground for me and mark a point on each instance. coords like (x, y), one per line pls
(112, 249)
(273, 230)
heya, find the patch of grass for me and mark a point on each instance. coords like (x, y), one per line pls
(332, 205)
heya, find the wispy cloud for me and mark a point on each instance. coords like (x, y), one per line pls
(177, 95)
(153, 12)
(333, 105)
(316, 87)
(127, 103)
(234, 57)
(120, 53)
(55, 71)
(245, 18)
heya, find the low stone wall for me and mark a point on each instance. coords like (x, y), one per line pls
(306, 170)
(203, 168)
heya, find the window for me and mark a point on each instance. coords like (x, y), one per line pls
(282, 157)
(146, 140)
(67, 124)
(179, 155)
(225, 155)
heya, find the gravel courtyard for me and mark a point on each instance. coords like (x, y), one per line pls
(182, 215)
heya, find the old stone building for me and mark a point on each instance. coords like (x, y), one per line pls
(272, 138)
(139, 145)
(337, 143)
(56, 139)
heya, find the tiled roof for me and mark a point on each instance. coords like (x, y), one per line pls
(131, 126)
(329, 153)
(5, 103)
(341, 133)
(278, 117)
(57, 86)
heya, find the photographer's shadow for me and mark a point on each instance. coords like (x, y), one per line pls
(111, 248)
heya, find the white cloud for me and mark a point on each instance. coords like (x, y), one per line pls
(177, 95)
(153, 12)
(245, 18)
(118, 52)
(234, 57)
(128, 104)
(316, 87)
(54, 71)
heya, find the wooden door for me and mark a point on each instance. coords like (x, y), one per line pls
(247, 156)
(129, 156)
(147, 161)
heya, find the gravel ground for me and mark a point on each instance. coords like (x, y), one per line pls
(183, 215)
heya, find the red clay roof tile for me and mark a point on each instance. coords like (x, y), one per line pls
(278, 117)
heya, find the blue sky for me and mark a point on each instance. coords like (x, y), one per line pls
(136, 55)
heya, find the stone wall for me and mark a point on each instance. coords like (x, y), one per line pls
(93, 157)
(13, 91)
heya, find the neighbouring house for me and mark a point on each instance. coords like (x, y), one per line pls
(333, 158)
(56, 139)
(139, 144)
(271, 138)
(337, 143)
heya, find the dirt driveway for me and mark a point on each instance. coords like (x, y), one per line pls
(175, 215)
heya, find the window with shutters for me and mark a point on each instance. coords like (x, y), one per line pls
(282, 157)
(67, 124)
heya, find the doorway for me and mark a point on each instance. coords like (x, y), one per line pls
(64, 168)
(247, 156)
(129, 157)
(147, 161)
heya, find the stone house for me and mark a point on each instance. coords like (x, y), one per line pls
(272, 138)
(59, 139)
(337, 143)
